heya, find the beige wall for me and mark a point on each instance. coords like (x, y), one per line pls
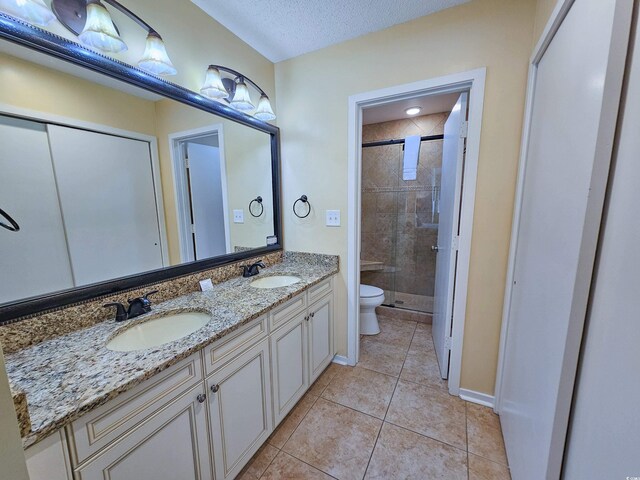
(248, 167)
(34, 87)
(543, 12)
(313, 91)
(12, 459)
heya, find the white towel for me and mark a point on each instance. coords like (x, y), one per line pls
(411, 153)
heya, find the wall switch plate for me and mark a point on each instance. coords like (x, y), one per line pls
(333, 218)
(238, 216)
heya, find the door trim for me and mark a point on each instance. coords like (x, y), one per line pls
(183, 201)
(472, 81)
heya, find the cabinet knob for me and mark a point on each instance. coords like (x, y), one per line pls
(215, 388)
(306, 318)
(201, 397)
(312, 314)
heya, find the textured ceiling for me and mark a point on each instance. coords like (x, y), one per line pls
(282, 29)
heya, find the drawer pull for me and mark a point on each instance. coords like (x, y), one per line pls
(215, 388)
(201, 397)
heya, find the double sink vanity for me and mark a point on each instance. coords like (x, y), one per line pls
(124, 400)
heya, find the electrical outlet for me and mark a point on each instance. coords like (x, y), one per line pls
(238, 216)
(333, 218)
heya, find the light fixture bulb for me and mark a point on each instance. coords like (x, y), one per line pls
(413, 110)
(213, 87)
(99, 31)
(32, 11)
(155, 59)
(264, 111)
(241, 100)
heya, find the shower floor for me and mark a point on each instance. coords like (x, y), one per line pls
(408, 301)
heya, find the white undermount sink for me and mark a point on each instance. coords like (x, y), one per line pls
(275, 281)
(158, 331)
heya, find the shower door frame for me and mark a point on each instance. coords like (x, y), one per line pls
(472, 81)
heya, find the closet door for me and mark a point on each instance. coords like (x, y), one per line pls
(106, 190)
(34, 260)
(574, 105)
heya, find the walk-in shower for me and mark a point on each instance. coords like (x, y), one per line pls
(400, 217)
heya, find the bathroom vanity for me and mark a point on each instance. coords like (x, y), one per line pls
(198, 407)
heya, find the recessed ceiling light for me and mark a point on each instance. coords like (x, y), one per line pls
(413, 110)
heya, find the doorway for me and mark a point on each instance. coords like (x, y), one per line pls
(201, 193)
(468, 90)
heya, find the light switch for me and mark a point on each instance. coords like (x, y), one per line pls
(333, 218)
(238, 216)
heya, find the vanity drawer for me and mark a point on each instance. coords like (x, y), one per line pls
(98, 428)
(228, 347)
(319, 290)
(287, 310)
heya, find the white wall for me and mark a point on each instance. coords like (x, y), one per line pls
(604, 436)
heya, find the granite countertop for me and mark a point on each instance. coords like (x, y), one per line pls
(67, 376)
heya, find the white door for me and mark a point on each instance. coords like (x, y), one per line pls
(450, 189)
(106, 190)
(207, 200)
(34, 260)
(240, 407)
(574, 105)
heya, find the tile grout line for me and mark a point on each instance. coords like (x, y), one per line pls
(427, 436)
(267, 467)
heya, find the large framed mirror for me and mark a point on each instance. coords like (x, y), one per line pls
(113, 178)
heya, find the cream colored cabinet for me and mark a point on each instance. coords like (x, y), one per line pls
(289, 365)
(240, 409)
(170, 444)
(320, 335)
(161, 429)
(49, 459)
(301, 345)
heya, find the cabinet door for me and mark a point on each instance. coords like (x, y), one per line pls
(240, 407)
(320, 330)
(288, 365)
(172, 444)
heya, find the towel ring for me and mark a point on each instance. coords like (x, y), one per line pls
(305, 200)
(13, 227)
(258, 200)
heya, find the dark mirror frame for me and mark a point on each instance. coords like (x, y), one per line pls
(43, 41)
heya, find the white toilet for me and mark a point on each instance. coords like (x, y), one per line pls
(370, 298)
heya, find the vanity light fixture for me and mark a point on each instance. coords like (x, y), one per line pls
(91, 22)
(31, 11)
(413, 111)
(233, 90)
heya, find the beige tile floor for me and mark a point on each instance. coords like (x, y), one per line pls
(390, 417)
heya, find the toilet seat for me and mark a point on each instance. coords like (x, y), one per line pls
(369, 291)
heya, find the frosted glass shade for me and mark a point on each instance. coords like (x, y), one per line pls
(32, 11)
(213, 87)
(99, 31)
(264, 111)
(155, 59)
(241, 100)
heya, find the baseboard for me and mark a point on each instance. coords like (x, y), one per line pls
(340, 360)
(477, 397)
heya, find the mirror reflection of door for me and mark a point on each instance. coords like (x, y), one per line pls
(206, 183)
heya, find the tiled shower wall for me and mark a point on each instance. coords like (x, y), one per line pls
(399, 218)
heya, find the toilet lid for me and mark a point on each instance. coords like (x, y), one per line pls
(370, 291)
